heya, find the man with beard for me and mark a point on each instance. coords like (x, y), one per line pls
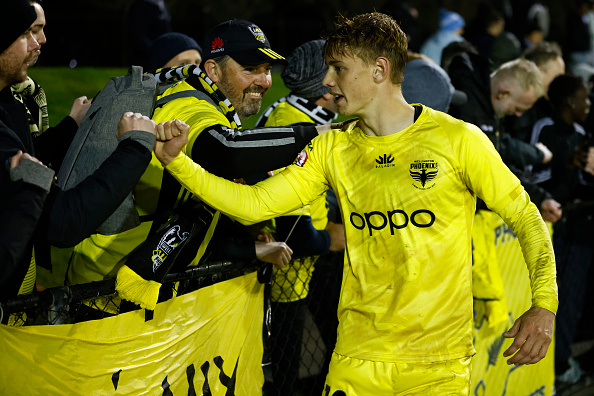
(406, 178)
(65, 217)
(212, 100)
(52, 143)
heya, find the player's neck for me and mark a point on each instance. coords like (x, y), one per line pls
(391, 116)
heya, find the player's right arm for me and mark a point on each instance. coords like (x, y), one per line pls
(229, 152)
(270, 198)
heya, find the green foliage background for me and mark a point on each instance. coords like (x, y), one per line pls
(62, 85)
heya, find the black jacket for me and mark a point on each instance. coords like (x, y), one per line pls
(67, 217)
(470, 73)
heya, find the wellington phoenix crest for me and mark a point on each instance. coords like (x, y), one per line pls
(423, 172)
(257, 32)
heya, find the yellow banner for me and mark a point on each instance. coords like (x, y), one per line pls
(208, 342)
(490, 373)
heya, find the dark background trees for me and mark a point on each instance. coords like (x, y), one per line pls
(95, 32)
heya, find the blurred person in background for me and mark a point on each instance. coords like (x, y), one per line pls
(173, 49)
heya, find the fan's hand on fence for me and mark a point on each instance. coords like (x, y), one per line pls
(167, 150)
(135, 122)
(276, 253)
(532, 333)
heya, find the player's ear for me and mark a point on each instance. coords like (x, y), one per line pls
(381, 69)
(213, 70)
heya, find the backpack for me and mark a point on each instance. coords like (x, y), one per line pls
(95, 138)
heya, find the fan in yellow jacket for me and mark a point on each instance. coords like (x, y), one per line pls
(218, 101)
(406, 178)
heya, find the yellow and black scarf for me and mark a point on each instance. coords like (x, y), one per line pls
(168, 75)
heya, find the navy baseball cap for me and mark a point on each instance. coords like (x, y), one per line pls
(243, 41)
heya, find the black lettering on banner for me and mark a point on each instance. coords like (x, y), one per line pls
(115, 379)
(166, 390)
(205, 388)
(497, 234)
(327, 391)
(190, 372)
(227, 381)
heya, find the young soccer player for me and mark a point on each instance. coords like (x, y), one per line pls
(406, 178)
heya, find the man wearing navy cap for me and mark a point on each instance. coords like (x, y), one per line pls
(212, 100)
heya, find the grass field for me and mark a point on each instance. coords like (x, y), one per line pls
(62, 85)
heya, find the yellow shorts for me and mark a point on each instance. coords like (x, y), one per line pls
(354, 377)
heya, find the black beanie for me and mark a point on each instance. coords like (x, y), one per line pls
(306, 70)
(19, 15)
(167, 46)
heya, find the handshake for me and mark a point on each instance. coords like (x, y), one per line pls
(171, 136)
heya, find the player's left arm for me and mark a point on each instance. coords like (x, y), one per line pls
(493, 182)
(533, 331)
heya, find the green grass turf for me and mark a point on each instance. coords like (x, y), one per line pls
(62, 85)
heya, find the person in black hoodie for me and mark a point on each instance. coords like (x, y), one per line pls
(33, 209)
(569, 177)
(510, 90)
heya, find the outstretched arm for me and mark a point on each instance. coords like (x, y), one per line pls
(249, 204)
(74, 214)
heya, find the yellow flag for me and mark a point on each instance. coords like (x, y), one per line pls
(208, 342)
(490, 373)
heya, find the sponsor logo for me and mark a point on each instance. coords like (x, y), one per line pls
(423, 172)
(167, 245)
(217, 45)
(384, 161)
(395, 219)
(301, 159)
(257, 32)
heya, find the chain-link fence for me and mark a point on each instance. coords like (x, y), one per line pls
(303, 302)
(300, 328)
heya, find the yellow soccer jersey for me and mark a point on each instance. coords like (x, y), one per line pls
(100, 256)
(291, 283)
(286, 114)
(408, 202)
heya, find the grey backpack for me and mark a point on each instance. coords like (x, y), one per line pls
(95, 139)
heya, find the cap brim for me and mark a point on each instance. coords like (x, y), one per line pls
(258, 56)
(459, 98)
